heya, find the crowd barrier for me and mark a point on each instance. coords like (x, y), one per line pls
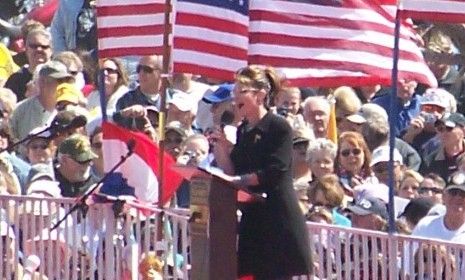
(97, 244)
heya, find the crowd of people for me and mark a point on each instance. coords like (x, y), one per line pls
(341, 181)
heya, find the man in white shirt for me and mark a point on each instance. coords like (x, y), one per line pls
(449, 226)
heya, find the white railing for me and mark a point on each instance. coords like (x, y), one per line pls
(97, 246)
(102, 246)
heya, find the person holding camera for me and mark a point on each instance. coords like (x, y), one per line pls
(433, 106)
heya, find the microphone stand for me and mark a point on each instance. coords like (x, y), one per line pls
(82, 200)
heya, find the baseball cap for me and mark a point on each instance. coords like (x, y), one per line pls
(435, 96)
(46, 187)
(357, 118)
(452, 120)
(456, 181)
(55, 70)
(301, 135)
(369, 205)
(417, 208)
(381, 154)
(78, 147)
(68, 92)
(183, 101)
(222, 94)
(41, 171)
(40, 132)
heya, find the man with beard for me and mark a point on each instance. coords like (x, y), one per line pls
(75, 158)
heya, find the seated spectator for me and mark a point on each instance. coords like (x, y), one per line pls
(451, 134)
(174, 136)
(183, 109)
(416, 210)
(434, 105)
(301, 170)
(347, 104)
(116, 85)
(328, 192)
(353, 161)
(380, 166)
(376, 134)
(432, 187)
(40, 148)
(321, 157)
(369, 213)
(75, 158)
(316, 110)
(410, 184)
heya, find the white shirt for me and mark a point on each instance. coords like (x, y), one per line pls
(433, 227)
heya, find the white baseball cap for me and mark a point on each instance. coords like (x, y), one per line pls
(381, 154)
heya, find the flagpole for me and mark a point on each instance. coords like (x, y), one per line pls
(393, 120)
(164, 87)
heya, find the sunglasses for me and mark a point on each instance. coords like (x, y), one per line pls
(97, 145)
(111, 71)
(424, 190)
(145, 68)
(37, 46)
(38, 146)
(347, 152)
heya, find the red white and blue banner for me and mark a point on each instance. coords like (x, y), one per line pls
(140, 170)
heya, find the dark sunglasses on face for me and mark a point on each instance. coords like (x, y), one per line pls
(145, 68)
(37, 46)
(347, 152)
(112, 71)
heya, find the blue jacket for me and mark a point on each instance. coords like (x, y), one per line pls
(405, 112)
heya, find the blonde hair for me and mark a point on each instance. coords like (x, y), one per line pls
(409, 173)
(347, 101)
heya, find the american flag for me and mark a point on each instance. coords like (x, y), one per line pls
(434, 10)
(210, 37)
(330, 43)
(130, 27)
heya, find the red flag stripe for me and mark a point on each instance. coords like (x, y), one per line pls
(452, 11)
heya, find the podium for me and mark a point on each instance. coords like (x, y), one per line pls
(213, 226)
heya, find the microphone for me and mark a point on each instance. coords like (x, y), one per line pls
(57, 129)
(30, 265)
(131, 144)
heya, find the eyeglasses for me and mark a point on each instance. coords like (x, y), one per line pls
(97, 145)
(42, 146)
(37, 46)
(347, 152)
(113, 71)
(424, 190)
(145, 68)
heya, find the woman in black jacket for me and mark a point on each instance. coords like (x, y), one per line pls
(273, 239)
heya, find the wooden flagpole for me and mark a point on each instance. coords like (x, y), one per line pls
(165, 84)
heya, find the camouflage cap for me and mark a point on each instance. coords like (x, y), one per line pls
(78, 147)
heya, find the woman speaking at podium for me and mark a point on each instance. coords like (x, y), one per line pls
(273, 239)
